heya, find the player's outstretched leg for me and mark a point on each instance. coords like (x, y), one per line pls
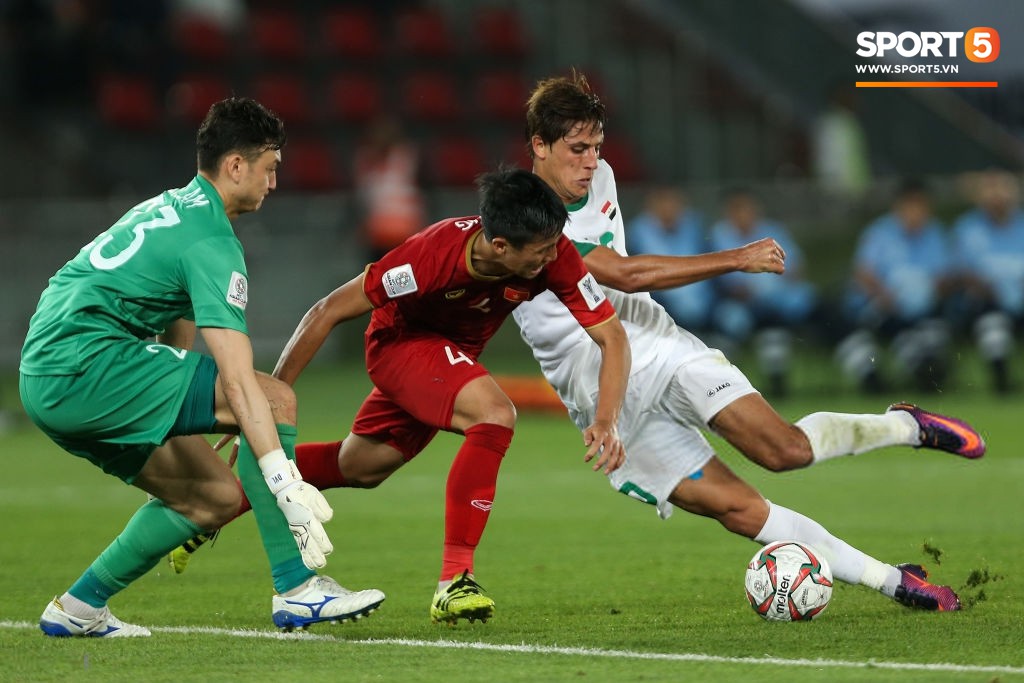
(463, 598)
(944, 433)
(723, 496)
(904, 583)
(914, 591)
(323, 599)
(55, 621)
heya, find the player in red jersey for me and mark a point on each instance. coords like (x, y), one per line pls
(436, 300)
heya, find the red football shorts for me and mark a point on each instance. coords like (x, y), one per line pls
(416, 380)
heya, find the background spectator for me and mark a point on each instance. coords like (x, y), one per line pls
(752, 302)
(669, 225)
(899, 286)
(988, 243)
(386, 178)
(841, 160)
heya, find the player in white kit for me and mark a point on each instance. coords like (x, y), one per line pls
(678, 387)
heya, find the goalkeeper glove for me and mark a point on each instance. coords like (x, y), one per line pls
(303, 506)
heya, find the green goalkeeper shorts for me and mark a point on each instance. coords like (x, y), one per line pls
(131, 399)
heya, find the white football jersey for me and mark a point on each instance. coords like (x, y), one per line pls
(569, 359)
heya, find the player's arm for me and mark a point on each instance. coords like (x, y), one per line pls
(232, 351)
(302, 505)
(652, 272)
(602, 437)
(180, 334)
(345, 303)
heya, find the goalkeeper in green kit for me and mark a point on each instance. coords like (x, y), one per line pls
(107, 372)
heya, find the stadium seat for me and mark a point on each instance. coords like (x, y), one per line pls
(276, 34)
(190, 97)
(498, 32)
(128, 102)
(351, 33)
(200, 40)
(623, 159)
(354, 97)
(285, 95)
(501, 95)
(309, 165)
(455, 161)
(423, 32)
(515, 153)
(430, 96)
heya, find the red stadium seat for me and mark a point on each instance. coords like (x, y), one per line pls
(423, 32)
(624, 161)
(190, 97)
(201, 40)
(308, 165)
(276, 34)
(128, 102)
(354, 97)
(498, 32)
(431, 96)
(516, 153)
(502, 95)
(351, 32)
(455, 161)
(285, 95)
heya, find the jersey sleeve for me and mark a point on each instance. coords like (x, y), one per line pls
(572, 283)
(216, 280)
(404, 271)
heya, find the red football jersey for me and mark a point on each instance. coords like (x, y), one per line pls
(428, 284)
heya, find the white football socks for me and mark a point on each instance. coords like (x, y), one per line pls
(848, 564)
(835, 434)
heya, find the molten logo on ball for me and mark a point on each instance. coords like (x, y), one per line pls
(788, 581)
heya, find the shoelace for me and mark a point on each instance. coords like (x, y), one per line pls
(463, 587)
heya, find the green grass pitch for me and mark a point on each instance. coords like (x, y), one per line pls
(589, 585)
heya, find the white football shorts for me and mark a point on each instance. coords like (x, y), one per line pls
(663, 433)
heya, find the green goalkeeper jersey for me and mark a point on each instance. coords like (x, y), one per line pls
(173, 256)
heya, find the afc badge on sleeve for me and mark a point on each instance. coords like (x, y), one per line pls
(238, 290)
(399, 281)
(591, 291)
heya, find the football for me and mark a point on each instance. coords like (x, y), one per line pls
(788, 581)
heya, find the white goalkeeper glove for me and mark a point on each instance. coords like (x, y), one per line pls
(303, 506)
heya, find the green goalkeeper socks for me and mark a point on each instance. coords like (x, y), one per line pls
(152, 532)
(286, 565)
(155, 529)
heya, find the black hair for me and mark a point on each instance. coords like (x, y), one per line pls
(912, 187)
(518, 206)
(733, 192)
(237, 124)
(559, 104)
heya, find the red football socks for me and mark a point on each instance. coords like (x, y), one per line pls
(470, 494)
(318, 464)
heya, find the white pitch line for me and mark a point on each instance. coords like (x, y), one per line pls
(571, 651)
